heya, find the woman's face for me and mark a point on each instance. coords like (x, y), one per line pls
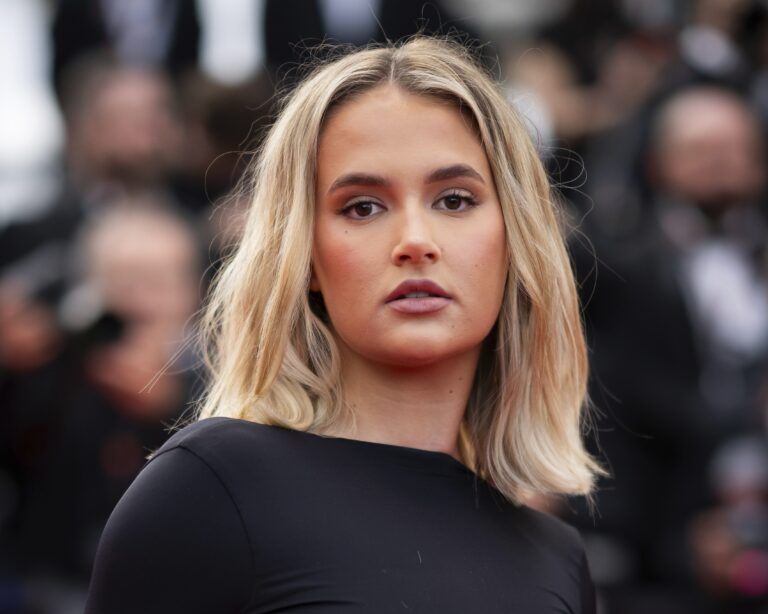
(409, 241)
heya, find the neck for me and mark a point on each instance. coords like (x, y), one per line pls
(415, 407)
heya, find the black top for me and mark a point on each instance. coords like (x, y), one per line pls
(232, 516)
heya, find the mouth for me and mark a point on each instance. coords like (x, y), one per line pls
(417, 289)
(418, 296)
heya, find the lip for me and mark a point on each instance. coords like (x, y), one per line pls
(416, 285)
(438, 300)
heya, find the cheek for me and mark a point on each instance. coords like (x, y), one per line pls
(484, 261)
(344, 269)
(485, 251)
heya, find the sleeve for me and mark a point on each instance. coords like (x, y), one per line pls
(175, 542)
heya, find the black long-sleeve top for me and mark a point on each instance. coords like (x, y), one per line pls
(232, 516)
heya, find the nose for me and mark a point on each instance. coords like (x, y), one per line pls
(416, 244)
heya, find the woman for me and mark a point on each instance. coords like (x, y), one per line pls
(398, 363)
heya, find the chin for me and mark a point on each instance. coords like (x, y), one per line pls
(407, 348)
(413, 361)
(420, 353)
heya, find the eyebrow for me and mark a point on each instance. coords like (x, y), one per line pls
(440, 174)
(361, 179)
(454, 171)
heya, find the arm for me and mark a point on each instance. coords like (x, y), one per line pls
(174, 543)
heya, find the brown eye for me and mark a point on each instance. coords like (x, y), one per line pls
(362, 210)
(453, 202)
(456, 202)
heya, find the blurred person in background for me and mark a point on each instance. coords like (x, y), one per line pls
(711, 42)
(127, 314)
(124, 135)
(583, 93)
(292, 27)
(124, 128)
(678, 319)
(729, 540)
(663, 46)
(150, 34)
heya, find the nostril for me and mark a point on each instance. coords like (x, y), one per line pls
(415, 252)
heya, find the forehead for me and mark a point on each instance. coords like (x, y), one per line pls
(390, 131)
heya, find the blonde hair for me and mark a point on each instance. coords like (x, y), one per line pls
(274, 361)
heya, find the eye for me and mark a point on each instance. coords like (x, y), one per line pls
(361, 209)
(455, 202)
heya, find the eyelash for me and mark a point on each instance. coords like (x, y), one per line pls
(464, 197)
(346, 209)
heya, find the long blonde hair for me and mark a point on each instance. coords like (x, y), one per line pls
(272, 358)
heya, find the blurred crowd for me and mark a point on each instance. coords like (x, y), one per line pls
(124, 127)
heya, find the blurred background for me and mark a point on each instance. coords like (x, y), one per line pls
(124, 125)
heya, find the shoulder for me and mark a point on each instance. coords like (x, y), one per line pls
(215, 431)
(547, 525)
(543, 534)
(247, 456)
(552, 534)
(155, 552)
(218, 438)
(551, 551)
(560, 550)
(546, 537)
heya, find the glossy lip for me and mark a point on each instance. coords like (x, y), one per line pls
(416, 306)
(417, 285)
